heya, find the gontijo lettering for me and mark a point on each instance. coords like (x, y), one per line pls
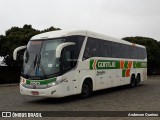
(106, 64)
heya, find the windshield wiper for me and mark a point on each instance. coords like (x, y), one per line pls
(33, 64)
(35, 60)
(40, 66)
(53, 74)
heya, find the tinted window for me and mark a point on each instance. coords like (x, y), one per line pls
(133, 52)
(105, 48)
(66, 59)
(141, 53)
(91, 49)
(113, 49)
(118, 50)
(144, 54)
(77, 47)
(125, 51)
(70, 54)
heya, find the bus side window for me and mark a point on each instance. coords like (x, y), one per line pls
(68, 58)
(123, 51)
(102, 49)
(118, 50)
(86, 53)
(91, 49)
(139, 53)
(113, 49)
(144, 54)
(126, 51)
(105, 48)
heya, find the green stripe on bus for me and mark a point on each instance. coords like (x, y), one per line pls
(42, 82)
(126, 64)
(141, 64)
(124, 73)
(114, 64)
(105, 64)
(134, 64)
(91, 64)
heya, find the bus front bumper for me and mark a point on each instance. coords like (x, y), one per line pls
(53, 91)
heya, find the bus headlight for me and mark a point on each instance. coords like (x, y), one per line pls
(58, 82)
(55, 83)
(22, 81)
(51, 84)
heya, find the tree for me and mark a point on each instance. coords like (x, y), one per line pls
(153, 50)
(15, 37)
(50, 29)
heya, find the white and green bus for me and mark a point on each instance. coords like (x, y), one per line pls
(63, 63)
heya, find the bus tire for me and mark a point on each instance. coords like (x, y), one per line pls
(138, 80)
(86, 89)
(133, 81)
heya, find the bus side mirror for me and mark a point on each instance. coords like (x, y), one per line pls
(60, 48)
(16, 50)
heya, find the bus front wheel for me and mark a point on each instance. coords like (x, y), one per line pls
(86, 89)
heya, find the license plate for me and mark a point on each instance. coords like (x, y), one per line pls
(35, 93)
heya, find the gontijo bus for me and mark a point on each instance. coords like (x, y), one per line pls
(63, 63)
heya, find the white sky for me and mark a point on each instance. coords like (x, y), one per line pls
(117, 18)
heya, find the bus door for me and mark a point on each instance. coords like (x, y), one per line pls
(75, 81)
(68, 79)
(68, 70)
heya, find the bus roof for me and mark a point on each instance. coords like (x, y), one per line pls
(64, 33)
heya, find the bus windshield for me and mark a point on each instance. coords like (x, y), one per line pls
(39, 58)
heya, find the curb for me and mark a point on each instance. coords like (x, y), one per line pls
(11, 84)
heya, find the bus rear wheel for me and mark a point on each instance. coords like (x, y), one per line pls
(138, 79)
(133, 81)
(86, 90)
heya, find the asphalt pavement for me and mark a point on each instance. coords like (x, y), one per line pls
(145, 97)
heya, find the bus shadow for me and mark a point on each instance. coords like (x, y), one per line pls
(115, 89)
(76, 98)
(56, 100)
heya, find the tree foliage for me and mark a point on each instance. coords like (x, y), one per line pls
(16, 37)
(153, 50)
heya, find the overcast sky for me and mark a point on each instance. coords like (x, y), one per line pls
(117, 18)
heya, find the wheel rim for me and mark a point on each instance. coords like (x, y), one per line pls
(85, 89)
(138, 80)
(133, 82)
